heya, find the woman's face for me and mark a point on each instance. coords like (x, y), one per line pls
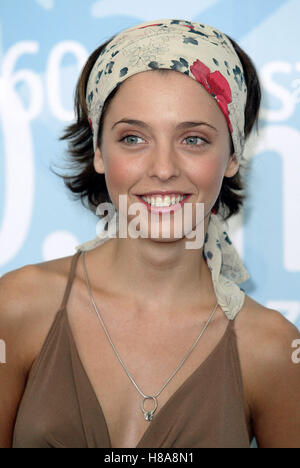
(164, 150)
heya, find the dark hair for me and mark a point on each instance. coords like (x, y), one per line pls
(90, 187)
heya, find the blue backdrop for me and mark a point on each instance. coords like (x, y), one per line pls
(43, 45)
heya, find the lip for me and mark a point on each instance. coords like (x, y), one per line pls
(162, 193)
(164, 209)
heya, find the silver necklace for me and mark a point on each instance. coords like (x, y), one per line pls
(148, 415)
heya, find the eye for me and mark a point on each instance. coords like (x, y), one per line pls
(131, 139)
(193, 140)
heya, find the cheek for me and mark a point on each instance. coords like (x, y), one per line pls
(209, 175)
(117, 175)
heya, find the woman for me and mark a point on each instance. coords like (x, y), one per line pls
(141, 341)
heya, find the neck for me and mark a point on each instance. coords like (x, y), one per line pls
(159, 274)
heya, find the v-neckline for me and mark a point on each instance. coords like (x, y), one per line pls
(165, 405)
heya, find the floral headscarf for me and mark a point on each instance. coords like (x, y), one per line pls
(197, 50)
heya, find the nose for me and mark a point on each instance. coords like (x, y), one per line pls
(163, 162)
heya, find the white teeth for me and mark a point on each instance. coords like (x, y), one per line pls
(163, 201)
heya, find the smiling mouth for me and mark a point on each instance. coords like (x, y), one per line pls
(163, 200)
(168, 203)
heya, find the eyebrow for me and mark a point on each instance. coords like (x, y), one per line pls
(180, 126)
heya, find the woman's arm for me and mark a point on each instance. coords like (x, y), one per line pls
(276, 372)
(15, 312)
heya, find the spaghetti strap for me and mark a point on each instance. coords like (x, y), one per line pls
(70, 279)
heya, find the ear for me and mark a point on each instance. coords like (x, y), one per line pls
(98, 161)
(232, 166)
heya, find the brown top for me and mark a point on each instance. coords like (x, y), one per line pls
(59, 407)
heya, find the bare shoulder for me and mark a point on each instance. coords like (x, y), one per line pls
(25, 289)
(265, 338)
(265, 330)
(266, 343)
(29, 299)
(30, 296)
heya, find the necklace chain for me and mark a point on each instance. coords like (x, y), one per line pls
(147, 414)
